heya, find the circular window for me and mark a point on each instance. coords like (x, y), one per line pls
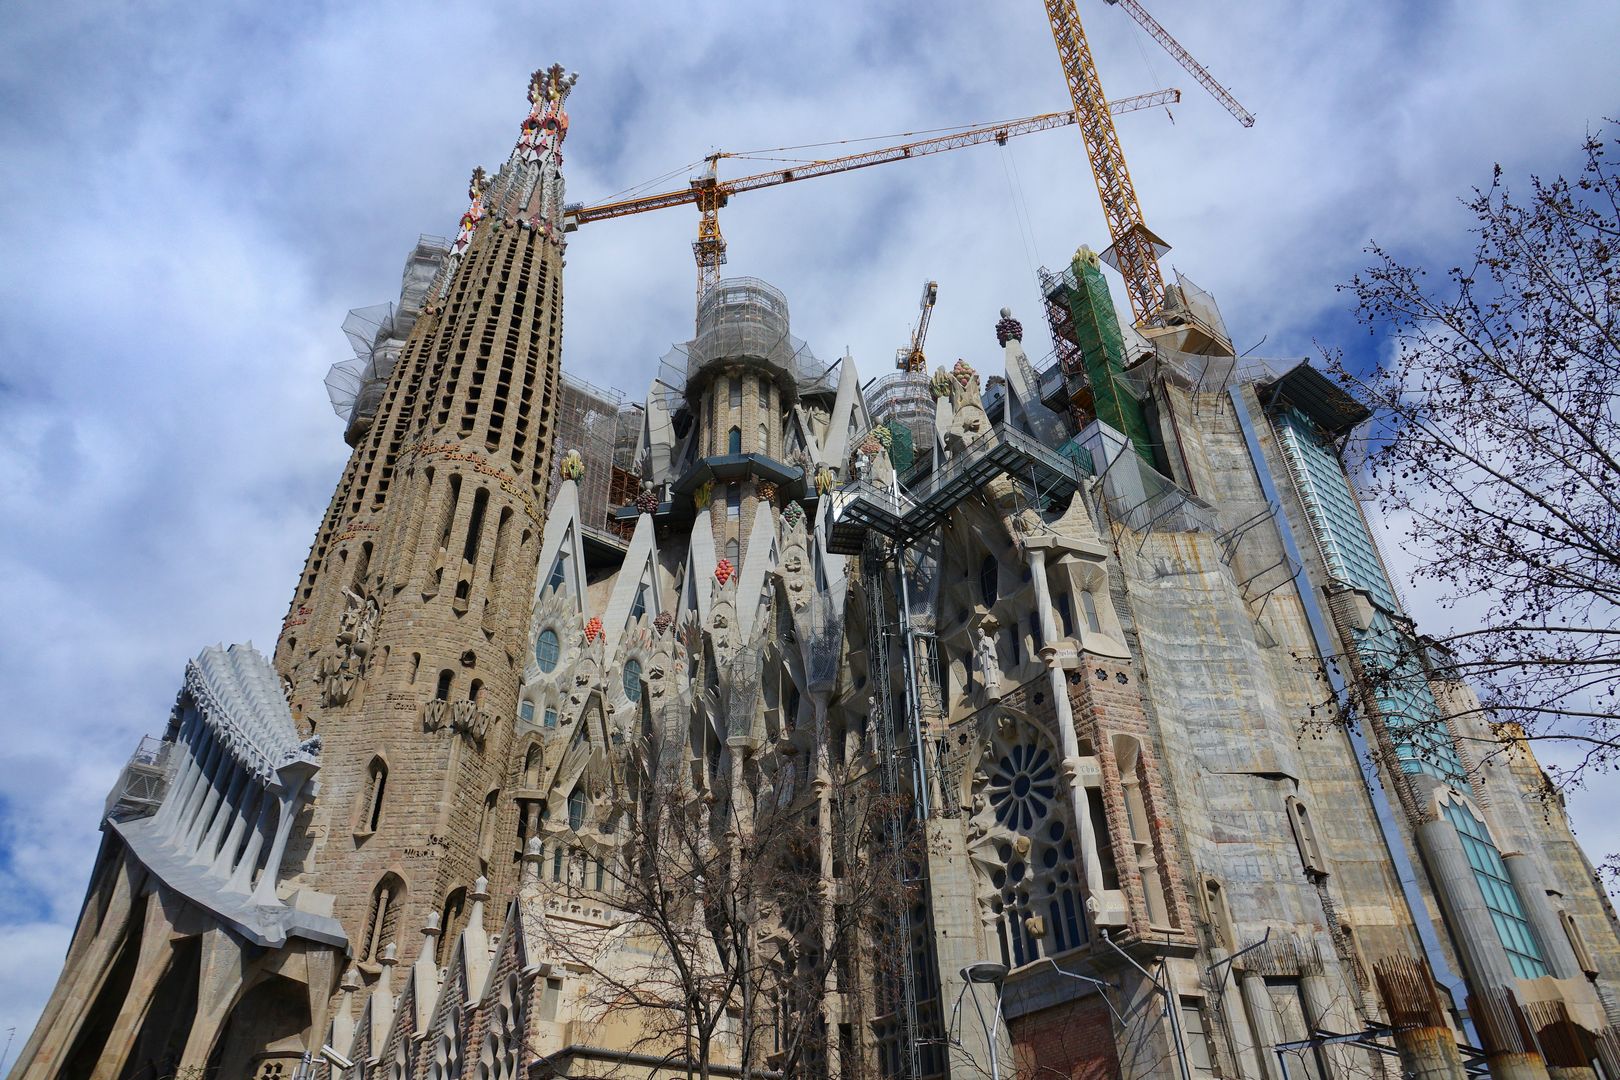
(546, 650)
(632, 680)
(1023, 785)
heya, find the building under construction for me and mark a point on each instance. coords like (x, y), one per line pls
(779, 724)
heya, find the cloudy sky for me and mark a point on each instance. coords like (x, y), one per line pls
(198, 192)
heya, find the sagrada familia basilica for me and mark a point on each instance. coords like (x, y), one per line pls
(994, 722)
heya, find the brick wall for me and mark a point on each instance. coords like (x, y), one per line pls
(1074, 1040)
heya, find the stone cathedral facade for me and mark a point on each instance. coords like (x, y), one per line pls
(1047, 723)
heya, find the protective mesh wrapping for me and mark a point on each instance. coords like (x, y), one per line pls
(355, 386)
(824, 636)
(742, 320)
(587, 419)
(903, 398)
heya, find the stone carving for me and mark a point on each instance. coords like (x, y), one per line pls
(466, 718)
(984, 656)
(968, 418)
(663, 622)
(340, 670)
(572, 466)
(1008, 329)
(793, 516)
(825, 481)
(435, 715)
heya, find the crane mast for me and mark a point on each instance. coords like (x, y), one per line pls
(1135, 250)
(910, 357)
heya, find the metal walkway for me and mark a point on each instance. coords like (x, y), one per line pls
(906, 516)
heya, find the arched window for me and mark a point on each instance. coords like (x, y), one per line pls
(546, 650)
(733, 501)
(449, 924)
(442, 691)
(734, 441)
(734, 394)
(416, 665)
(1065, 614)
(577, 806)
(987, 580)
(531, 767)
(376, 784)
(559, 575)
(764, 394)
(526, 712)
(551, 717)
(764, 439)
(382, 922)
(1088, 606)
(638, 606)
(1507, 912)
(632, 680)
(486, 824)
(733, 552)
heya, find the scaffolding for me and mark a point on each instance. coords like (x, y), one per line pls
(741, 320)
(376, 335)
(588, 421)
(904, 398)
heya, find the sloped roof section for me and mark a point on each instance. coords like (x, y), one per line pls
(240, 696)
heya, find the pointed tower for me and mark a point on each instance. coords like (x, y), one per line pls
(402, 647)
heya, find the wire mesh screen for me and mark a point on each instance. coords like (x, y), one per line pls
(587, 421)
(741, 319)
(823, 637)
(744, 677)
(355, 386)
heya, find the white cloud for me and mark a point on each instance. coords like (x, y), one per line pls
(196, 193)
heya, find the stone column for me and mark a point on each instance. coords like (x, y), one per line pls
(821, 785)
(1473, 931)
(230, 811)
(1257, 1004)
(242, 876)
(1505, 1036)
(89, 959)
(265, 894)
(151, 963)
(245, 814)
(220, 980)
(225, 767)
(1079, 805)
(1555, 946)
(207, 754)
(1424, 1041)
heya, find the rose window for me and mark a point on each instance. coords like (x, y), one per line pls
(1023, 787)
(1035, 888)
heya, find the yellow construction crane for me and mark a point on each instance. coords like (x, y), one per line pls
(1184, 58)
(1135, 249)
(709, 193)
(910, 357)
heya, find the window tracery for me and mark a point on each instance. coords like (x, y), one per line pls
(1027, 846)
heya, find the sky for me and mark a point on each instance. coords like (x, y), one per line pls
(199, 192)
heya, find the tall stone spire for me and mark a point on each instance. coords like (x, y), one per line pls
(404, 644)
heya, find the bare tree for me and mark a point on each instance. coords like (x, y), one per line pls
(1495, 440)
(713, 945)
